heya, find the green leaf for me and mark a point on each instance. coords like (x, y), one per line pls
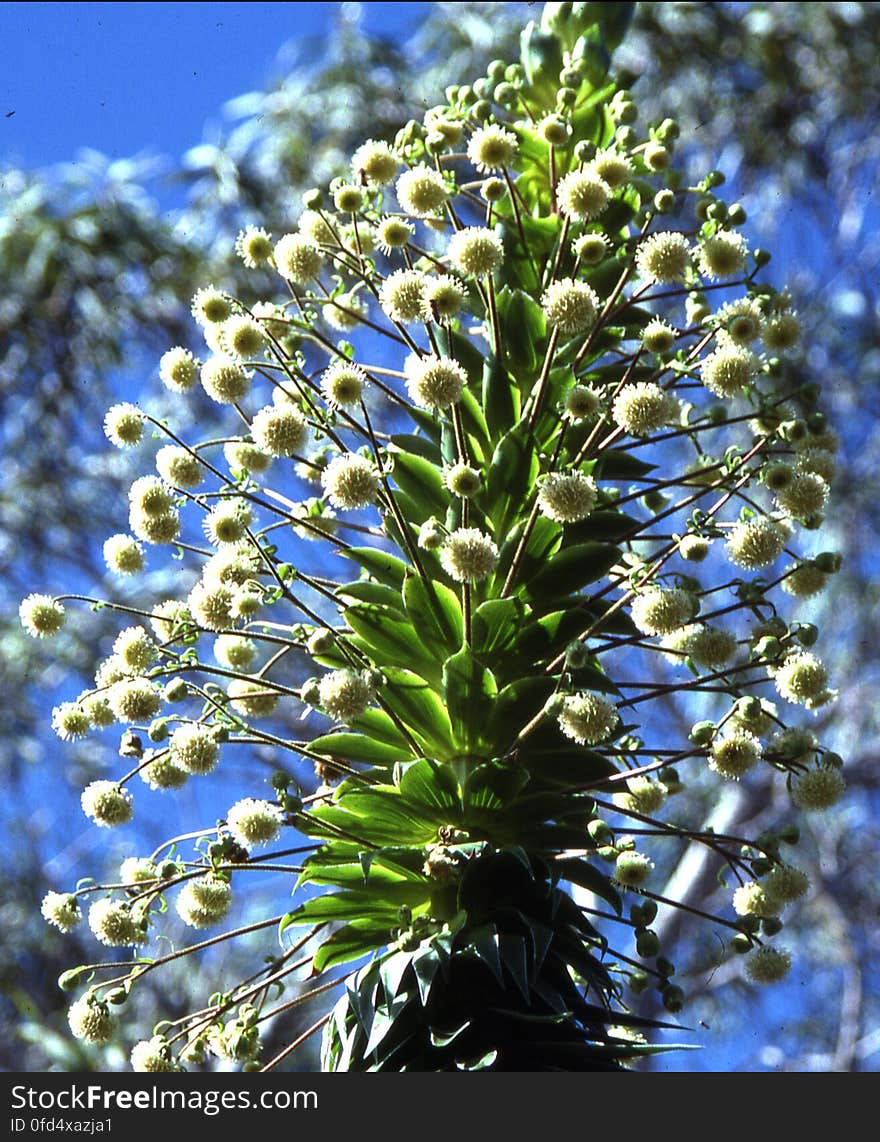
(483, 943)
(435, 612)
(378, 725)
(417, 705)
(588, 876)
(524, 331)
(366, 591)
(469, 690)
(426, 784)
(615, 464)
(544, 538)
(422, 482)
(492, 787)
(462, 349)
(416, 446)
(602, 525)
(501, 402)
(425, 964)
(355, 939)
(571, 569)
(511, 476)
(495, 626)
(359, 747)
(391, 639)
(385, 568)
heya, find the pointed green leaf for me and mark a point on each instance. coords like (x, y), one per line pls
(385, 568)
(353, 940)
(422, 481)
(511, 476)
(469, 690)
(571, 569)
(435, 612)
(501, 399)
(359, 747)
(417, 705)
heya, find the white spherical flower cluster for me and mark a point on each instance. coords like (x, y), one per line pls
(664, 257)
(351, 482)
(567, 497)
(468, 555)
(582, 194)
(204, 901)
(135, 649)
(224, 379)
(722, 255)
(194, 749)
(583, 403)
(298, 259)
(491, 147)
(818, 789)
(61, 910)
(234, 651)
(210, 306)
(106, 804)
(402, 296)
(376, 162)
(179, 467)
(137, 870)
(757, 543)
(280, 430)
(345, 694)
(178, 369)
(571, 306)
(805, 495)
(642, 795)
(90, 1020)
(475, 251)
(115, 925)
(612, 167)
(422, 191)
(735, 754)
(728, 370)
(768, 965)
(70, 721)
(41, 616)
(242, 337)
(254, 246)
(134, 700)
(254, 822)
(803, 679)
(210, 605)
(434, 382)
(588, 718)
(752, 899)
(632, 869)
(252, 697)
(658, 337)
(663, 610)
(644, 407)
(152, 1056)
(124, 425)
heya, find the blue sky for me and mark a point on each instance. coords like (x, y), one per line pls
(129, 77)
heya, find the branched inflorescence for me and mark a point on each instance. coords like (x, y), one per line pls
(554, 474)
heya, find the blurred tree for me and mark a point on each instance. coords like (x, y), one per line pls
(786, 96)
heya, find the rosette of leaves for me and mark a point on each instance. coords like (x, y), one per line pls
(526, 532)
